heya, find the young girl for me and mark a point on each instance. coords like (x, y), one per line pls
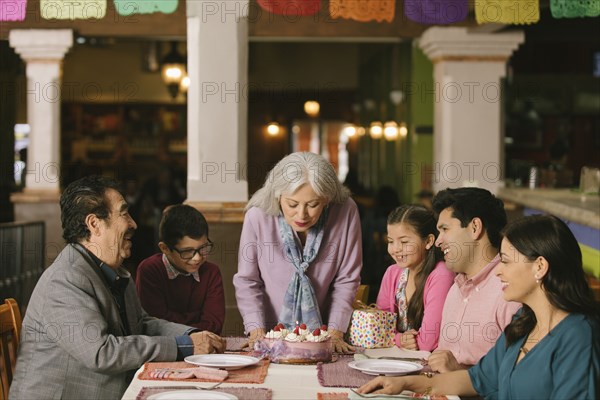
(416, 286)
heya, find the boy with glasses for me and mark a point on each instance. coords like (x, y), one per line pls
(179, 284)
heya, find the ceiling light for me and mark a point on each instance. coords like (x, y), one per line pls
(312, 108)
(273, 129)
(390, 131)
(173, 70)
(376, 130)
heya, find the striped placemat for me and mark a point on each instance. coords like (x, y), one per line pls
(339, 374)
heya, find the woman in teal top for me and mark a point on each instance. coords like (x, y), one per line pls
(551, 348)
(563, 365)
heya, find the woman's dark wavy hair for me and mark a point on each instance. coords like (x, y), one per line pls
(423, 222)
(470, 202)
(179, 221)
(83, 197)
(564, 284)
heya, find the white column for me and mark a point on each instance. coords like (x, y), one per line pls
(468, 135)
(217, 41)
(43, 51)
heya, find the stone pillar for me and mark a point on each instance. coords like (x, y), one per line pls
(43, 51)
(217, 100)
(468, 128)
(217, 42)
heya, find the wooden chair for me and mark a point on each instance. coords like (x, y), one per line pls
(362, 294)
(10, 331)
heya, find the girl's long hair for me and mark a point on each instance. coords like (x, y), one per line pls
(564, 284)
(423, 223)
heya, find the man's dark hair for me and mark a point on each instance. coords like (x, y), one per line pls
(83, 197)
(179, 221)
(468, 203)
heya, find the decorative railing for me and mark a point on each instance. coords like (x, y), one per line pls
(22, 248)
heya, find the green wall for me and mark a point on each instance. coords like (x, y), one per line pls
(400, 66)
(420, 101)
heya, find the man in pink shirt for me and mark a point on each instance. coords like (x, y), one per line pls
(475, 312)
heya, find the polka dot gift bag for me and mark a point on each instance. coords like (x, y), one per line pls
(371, 328)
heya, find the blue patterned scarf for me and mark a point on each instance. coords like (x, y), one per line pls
(300, 302)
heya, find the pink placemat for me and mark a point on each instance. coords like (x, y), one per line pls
(339, 374)
(253, 374)
(240, 393)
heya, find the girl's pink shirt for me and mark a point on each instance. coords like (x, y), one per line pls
(434, 295)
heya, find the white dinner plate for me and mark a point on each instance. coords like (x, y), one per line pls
(192, 394)
(223, 361)
(385, 367)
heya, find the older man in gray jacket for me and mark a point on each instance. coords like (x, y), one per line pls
(85, 332)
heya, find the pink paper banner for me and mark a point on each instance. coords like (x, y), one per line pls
(13, 10)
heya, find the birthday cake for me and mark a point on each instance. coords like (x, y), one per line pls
(299, 345)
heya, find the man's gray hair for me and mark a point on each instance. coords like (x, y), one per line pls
(293, 171)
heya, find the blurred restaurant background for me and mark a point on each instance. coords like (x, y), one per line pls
(197, 100)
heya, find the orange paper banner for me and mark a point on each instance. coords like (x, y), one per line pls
(363, 10)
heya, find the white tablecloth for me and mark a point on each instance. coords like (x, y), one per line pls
(287, 382)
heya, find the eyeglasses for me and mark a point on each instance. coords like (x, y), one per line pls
(188, 254)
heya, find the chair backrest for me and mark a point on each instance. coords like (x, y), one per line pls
(10, 330)
(362, 294)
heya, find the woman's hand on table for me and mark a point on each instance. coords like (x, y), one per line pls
(408, 340)
(383, 385)
(206, 342)
(339, 345)
(253, 337)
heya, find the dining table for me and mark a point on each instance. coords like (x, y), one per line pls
(286, 381)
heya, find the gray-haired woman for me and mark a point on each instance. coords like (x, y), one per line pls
(300, 251)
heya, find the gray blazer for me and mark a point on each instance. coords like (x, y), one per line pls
(73, 344)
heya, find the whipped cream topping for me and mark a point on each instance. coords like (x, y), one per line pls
(277, 334)
(320, 338)
(298, 335)
(292, 337)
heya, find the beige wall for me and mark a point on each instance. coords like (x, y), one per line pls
(112, 73)
(304, 66)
